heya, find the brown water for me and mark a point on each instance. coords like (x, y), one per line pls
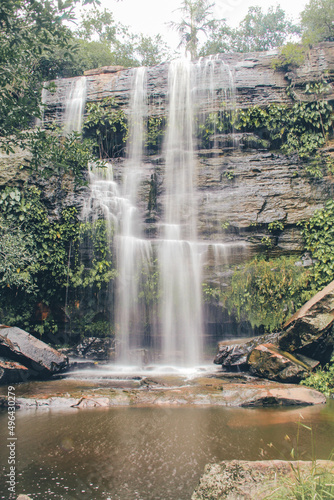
(150, 453)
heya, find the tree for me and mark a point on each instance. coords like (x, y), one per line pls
(196, 18)
(103, 42)
(259, 31)
(219, 39)
(31, 31)
(151, 50)
(317, 21)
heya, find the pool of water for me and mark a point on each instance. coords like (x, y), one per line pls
(150, 453)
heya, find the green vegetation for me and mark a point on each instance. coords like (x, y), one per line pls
(305, 483)
(267, 292)
(291, 55)
(317, 21)
(103, 42)
(155, 132)
(107, 125)
(41, 262)
(318, 232)
(302, 128)
(322, 380)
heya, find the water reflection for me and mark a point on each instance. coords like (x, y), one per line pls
(150, 453)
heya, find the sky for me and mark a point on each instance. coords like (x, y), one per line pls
(150, 17)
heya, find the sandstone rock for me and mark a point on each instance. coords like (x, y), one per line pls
(235, 354)
(241, 480)
(103, 70)
(309, 330)
(257, 83)
(42, 360)
(12, 372)
(269, 362)
(256, 396)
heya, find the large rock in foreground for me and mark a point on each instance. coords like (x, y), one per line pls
(241, 480)
(289, 356)
(272, 363)
(41, 359)
(309, 330)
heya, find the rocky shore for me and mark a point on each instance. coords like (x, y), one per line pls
(99, 388)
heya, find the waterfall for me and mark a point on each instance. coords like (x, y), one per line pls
(134, 253)
(170, 324)
(75, 101)
(179, 255)
(40, 121)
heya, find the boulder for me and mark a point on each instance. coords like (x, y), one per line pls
(12, 372)
(269, 362)
(234, 354)
(41, 359)
(310, 330)
(257, 396)
(94, 348)
(241, 480)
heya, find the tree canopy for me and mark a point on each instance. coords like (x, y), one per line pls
(317, 21)
(258, 31)
(196, 17)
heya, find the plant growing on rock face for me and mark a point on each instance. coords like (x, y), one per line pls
(267, 292)
(276, 226)
(56, 155)
(318, 233)
(107, 124)
(291, 55)
(154, 134)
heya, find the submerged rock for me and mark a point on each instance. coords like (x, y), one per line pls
(41, 359)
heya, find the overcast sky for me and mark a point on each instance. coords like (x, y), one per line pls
(150, 16)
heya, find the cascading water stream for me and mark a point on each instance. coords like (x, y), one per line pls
(179, 256)
(173, 328)
(134, 253)
(74, 105)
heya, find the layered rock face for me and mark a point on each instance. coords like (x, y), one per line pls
(244, 186)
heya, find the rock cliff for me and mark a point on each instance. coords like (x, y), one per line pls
(245, 187)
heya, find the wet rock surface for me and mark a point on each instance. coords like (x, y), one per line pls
(40, 359)
(101, 388)
(241, 480)
(92, 348)
(234, 180)
(267, 361)
(310, 330)
(290, 355)
(12, 372)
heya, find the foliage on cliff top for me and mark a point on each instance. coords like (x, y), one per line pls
(31, 31)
